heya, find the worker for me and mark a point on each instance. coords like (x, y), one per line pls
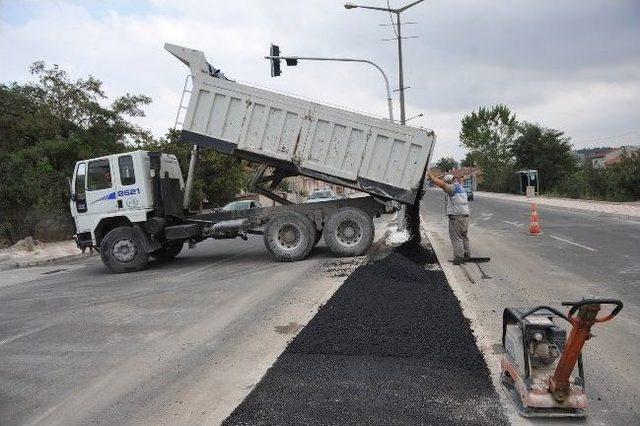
(458, 213)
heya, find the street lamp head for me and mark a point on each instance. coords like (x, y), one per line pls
(350, 5)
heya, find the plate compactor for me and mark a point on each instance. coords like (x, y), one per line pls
(539, 360)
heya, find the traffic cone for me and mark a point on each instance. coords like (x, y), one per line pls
(534, 226)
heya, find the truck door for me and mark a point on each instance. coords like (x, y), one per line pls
(78, 203)
(128, 193)
(99, 196)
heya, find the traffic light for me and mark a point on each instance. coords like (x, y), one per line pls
(275, 63)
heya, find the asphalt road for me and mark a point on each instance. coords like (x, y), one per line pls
(181, 343)
(391, 347)
(578, 255)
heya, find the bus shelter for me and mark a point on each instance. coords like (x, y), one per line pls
(528, 182)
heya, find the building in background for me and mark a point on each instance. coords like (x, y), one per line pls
(615, 156)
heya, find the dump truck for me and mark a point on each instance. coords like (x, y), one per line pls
(135, 206)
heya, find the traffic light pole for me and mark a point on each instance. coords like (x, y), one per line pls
(309, 58)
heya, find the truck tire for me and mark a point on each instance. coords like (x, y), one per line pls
(349, 232)
(122, 250)
(168, 251)
(289, 236)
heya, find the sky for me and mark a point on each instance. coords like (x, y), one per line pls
(572, 65)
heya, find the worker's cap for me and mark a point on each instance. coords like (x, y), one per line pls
(448, 178)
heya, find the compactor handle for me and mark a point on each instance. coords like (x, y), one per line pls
(577, 305)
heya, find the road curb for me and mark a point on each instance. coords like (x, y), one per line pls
(9, 265)
(484, 344)
(621, 216)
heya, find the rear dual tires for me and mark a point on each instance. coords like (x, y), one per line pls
(289, 236)
(122, 250)
(349, 232)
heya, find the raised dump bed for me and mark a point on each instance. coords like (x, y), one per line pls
(298, 136)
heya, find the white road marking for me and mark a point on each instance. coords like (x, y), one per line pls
(18, 336)
(519, 225)
(486, 216)
(573, 243)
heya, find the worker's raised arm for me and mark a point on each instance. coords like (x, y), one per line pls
(440, 183)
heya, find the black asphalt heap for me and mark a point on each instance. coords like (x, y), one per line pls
(412, 216)
(390, 347)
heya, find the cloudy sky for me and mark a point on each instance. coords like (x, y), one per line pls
(572, 65)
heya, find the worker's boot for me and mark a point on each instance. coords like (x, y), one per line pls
(467, 257)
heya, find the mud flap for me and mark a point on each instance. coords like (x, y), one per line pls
(148, 244)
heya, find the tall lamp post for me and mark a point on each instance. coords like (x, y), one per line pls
(293, 60)
(397, 12)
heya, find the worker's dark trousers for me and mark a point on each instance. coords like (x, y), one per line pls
(458, 232)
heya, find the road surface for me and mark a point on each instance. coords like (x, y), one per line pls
(179, 343)
(578, 255)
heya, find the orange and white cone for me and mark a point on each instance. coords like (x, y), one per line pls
(534, 226)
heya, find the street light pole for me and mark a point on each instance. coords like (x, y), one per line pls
(397, 12)
(400, 72)
(364, 61)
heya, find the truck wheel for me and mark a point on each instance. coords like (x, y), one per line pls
(122, 251)
(349, 232)
(289, 236)
(168, 251)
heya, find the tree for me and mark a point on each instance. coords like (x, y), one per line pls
(469, 160)
(545, 150)
(489, 135)
(218, 177)
(45, 127)
(446, 164)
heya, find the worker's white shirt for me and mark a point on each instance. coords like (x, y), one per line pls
(456, 199)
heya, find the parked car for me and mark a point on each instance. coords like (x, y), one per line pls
(469, 191)
(321, 195)
(241, 205)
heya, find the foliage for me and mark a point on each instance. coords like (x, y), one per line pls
(446, 164)
(545, 150)
(46, 126)
(469, 160)
(49, 124)
(616, 182)
(489, 135)
(218, 177)
(499, 145)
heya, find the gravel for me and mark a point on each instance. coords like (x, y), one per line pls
(390, 347)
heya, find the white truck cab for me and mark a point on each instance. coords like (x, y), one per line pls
(116, 190)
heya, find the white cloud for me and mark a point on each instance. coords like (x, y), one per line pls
(574, 66)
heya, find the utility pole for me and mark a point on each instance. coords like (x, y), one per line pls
(293, 61)
(397, 12)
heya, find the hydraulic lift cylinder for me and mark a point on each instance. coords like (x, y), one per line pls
(189, 184)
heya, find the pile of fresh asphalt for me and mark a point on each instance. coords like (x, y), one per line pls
(390, 347)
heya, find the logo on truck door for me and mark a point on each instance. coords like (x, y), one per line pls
(122, 193)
